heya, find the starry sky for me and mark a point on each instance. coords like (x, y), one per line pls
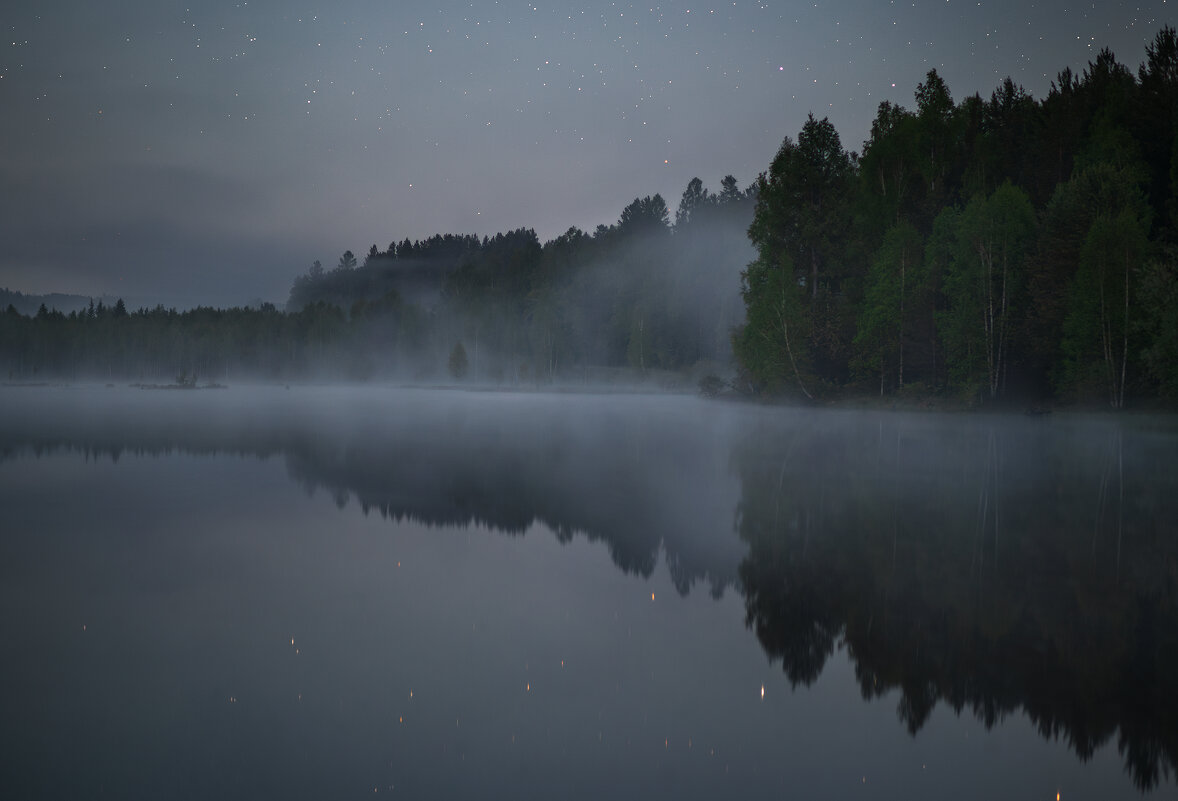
(208, 153)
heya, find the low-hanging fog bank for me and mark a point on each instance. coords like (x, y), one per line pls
(639, 297)
(642, 473)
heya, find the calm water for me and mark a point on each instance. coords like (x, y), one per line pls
(330, 593)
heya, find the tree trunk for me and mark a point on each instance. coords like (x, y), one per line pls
(1002, 318)
(1124, 338)
(987, 265)
(813, 273)
(903, 263)
(788, 349)
(1106, 345)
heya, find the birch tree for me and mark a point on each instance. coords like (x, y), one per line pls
(1109, 239)
(771, 345)
(984, 285)
(895, 273)
(1097, 328)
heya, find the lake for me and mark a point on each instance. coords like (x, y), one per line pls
(327, 592)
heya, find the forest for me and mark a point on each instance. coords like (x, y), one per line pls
(988, 251)
(637, 296)
(998, 249)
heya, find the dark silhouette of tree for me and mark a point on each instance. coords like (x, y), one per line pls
(458, 363)
(801, 213)
(888, 167)
(694, 197)
(644, 216)
(805, 301)
(1157, 127)
(934, 135)
(729, 190)
(1159, 323)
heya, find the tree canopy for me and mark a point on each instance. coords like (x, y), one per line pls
(995, 249)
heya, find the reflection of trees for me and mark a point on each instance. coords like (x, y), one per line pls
(1024, 566)
(495, 480)
(641, 481)
(1028, 566)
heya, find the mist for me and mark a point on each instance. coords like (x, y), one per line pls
(504, 461)
(855, 478)
(875, 562)
(640, 301)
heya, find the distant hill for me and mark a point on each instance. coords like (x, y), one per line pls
(28, 304)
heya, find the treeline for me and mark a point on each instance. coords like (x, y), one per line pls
(644, 294)
(204, 343)
(28, 304)
(1000, 248)
(991, 250)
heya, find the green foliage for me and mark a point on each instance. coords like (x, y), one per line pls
(771, 344)
(1100, 209)
(888, 167)
(1032, 217)
(933, 136)
(984, 284)
(896, 276)
(1103, 295)
(1173, 199)
(1158, 325)
(801, 202)
(801, 219)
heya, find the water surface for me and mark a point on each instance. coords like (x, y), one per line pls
(327, 592)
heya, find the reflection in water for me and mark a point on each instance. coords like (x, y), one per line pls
(576, 464)
(994, 565)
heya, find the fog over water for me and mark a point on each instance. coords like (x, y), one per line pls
(326, 591)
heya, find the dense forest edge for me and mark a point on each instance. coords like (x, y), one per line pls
(983, 252)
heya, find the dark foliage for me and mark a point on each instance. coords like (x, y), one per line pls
(1001, 249)
(639, 294)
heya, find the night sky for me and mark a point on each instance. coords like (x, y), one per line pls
(208, 154)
